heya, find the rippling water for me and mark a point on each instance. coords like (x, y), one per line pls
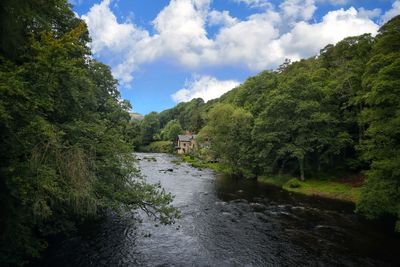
(228, 222)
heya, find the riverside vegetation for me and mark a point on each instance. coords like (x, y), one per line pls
(65, 155)
(322, 120)
(66, 135)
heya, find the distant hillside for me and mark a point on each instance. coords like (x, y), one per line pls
(136, 116)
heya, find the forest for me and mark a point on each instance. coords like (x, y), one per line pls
(66, 159)
(334, 114)
(67, 138)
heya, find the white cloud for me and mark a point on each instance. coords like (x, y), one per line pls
(261, 41)
(394, 11)
(335, 2)
(107, 33)
(181, 30)
(112, 37)
(255, 3)
(369, 13)
(258, 44)
(123, 71)
(246, 43)
(298, 9)
(205, 87)
(306, 39)
(218, 18)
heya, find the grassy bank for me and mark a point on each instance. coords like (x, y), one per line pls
(197, 163)
(324, 188)
(328, 188)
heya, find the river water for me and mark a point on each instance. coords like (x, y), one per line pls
(231, 222)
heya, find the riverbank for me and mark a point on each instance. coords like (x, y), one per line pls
(197, 163)
(313, 187)
(326, 188)
(269, 226)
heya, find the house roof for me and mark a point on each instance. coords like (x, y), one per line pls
(186, 137)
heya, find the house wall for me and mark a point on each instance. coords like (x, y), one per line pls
(185, 147)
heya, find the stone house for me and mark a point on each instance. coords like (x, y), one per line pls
(186, 143)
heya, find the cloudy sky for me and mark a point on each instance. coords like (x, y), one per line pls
(167, 51)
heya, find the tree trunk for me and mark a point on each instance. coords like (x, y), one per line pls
(301, 164)
(319, 164)
(282, 167)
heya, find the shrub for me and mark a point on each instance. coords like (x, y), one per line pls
(293, 183)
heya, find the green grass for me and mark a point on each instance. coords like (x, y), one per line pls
(329, 189)
(197, 163)
(176, 162)
(313, 187)
(274, 180)
(325, 187)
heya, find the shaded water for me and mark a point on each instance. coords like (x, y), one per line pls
(228, 222)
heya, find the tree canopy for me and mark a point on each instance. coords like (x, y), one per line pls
(65, 156)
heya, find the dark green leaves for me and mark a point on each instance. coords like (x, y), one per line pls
(64, 152)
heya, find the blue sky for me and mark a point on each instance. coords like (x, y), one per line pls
(167, 51)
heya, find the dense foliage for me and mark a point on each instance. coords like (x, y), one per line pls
(228, 128)
(335, 114)
(171, 130)
(381, 119)
(63, 148)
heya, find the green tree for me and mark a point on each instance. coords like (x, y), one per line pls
(133, 131)
(381, 117)
(63, 148)
(189, 114)
(149, 126)
(171, 131)
(229, 131)
(294, 130)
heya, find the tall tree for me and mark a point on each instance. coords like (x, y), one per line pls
(63, 150)
(150, 125)
(229, 131)
(171, 131)
(381, 117)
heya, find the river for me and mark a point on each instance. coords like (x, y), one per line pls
(231, 222)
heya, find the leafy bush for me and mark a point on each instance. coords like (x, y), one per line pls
(293, 183)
